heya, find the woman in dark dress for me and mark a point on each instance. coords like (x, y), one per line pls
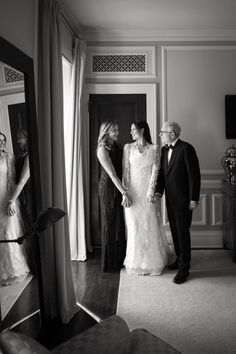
(112, 196)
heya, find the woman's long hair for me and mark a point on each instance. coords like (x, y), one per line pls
(104, 130)
(5, 140)
(24, 133)
(142, 124)
(4, 136)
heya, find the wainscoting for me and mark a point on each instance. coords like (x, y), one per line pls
(207, 224)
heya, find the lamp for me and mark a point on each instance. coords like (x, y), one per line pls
(45, 219)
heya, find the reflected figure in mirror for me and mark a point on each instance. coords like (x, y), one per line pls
(13, 264)
(22, 190)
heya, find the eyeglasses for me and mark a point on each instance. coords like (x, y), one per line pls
(163, 131)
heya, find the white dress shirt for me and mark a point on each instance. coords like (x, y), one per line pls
(171, 150)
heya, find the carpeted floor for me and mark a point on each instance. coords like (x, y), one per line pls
(196, 317)
(9, 294)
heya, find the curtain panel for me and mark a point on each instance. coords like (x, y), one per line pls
(58, 290)
(75, 156)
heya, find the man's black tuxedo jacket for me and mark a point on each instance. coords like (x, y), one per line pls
(180, 178)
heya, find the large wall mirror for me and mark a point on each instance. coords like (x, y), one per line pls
(19, 175)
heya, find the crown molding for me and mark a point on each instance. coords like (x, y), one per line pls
(74, 25)
(91, 35)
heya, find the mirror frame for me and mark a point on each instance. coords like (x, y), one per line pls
(18, 60)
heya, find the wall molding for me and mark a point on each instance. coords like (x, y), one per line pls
(148, 51)
(214, 220)
(157, 35)
(199, 47)
(203, 208)
(212, 172)
(203, 238)
(167, 48)
(211, 184)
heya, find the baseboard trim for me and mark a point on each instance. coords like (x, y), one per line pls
(98, 319)
(204, 239)
(21, 321)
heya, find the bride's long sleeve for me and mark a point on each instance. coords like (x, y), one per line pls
(126, 166)
(154, 173)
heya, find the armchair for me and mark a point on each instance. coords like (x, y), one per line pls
(111, 336)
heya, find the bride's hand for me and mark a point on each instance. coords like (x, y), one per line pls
(126, 201)
(11, 208)
(151, 198)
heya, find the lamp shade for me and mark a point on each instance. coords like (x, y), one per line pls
(45, 219)
(48, 217)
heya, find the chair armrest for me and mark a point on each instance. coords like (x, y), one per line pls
(109, 336)
(143, 341)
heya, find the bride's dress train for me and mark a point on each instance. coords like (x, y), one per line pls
(147, 247)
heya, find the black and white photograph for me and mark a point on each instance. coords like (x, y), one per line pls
(117, 176)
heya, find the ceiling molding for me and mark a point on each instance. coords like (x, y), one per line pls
(70, 20)
(157, 35)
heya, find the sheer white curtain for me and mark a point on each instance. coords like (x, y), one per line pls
(74, 155)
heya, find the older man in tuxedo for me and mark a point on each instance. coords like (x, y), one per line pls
(179, 177)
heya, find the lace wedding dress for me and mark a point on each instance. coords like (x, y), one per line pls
(13, 265)
(147, 248)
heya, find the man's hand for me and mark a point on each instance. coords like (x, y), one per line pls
(151, 198)
(193, 204)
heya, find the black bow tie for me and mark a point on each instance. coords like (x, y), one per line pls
(169, 147)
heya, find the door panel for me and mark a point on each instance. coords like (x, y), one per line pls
(124, 109)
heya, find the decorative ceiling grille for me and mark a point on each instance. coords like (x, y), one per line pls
(119, 63)
(12, 75)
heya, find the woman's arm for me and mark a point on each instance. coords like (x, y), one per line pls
(126, 166)
(154, 174)
(106, 163)
(24, 176)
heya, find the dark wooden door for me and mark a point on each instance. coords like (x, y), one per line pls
(124, 109)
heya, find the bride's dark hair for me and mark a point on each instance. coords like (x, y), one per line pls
(142, 124)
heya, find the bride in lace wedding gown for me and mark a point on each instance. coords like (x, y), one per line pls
(13, 265)
(147, 248)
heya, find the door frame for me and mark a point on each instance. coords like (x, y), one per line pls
(148, 89)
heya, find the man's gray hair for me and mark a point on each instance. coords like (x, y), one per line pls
(174, 127)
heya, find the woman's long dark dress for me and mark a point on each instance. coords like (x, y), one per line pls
(112, 221)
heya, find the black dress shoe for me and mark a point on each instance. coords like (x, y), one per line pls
(173, 266)
(181, 277)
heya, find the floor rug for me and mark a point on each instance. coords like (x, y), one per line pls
(10, 293)
(196, 317)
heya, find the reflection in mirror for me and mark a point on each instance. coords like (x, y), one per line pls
(17, 281)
